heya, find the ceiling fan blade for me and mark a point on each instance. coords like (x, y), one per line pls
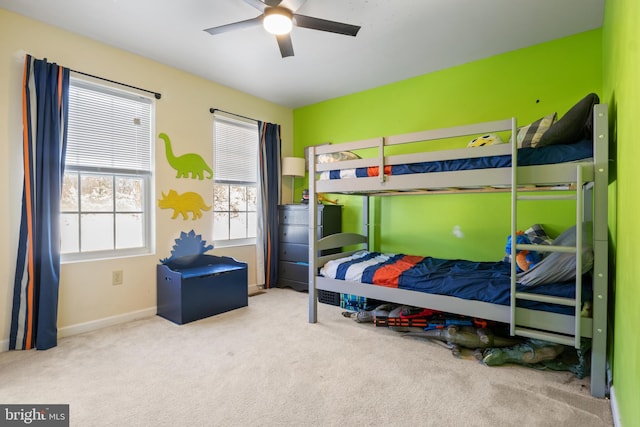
(235, 26)
(285, 45)
(293, 5)
(262, 5)
(325, 25)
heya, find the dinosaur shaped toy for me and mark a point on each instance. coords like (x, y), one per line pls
(465, 336)
(529, 353)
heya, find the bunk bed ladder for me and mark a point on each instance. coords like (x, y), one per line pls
(313, 236)
(569, 339)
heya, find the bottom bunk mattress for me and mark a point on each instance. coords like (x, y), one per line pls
(470, 280)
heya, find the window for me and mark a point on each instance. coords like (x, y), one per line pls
(106, 192)
(235, 187)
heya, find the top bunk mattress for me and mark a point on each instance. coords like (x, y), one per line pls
(560, 154)
(527, 156)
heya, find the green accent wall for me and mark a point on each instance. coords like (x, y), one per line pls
(621, 47)
(529, 83)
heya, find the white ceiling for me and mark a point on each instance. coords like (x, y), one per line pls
(399, 38)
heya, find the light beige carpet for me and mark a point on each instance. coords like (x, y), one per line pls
(265, 365)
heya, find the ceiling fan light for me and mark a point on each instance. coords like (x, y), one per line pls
(278, 21)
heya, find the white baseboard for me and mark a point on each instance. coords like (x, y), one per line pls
(614, 407)
(255, 288)
(94, 325)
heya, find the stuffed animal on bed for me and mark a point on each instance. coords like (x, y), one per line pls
(525, 259)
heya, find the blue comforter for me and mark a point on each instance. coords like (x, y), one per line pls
(470, 280)
(526, 157)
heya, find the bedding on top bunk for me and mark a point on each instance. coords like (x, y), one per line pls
(527, 156)
(482, 281)
(545, 141)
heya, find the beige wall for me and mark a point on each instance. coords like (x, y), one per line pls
(87, 297)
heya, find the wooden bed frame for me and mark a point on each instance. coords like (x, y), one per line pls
(587, 179)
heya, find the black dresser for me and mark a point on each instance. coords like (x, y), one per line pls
(293, 257)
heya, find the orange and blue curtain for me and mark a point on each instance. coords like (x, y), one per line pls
(270, 149)
(35, 295)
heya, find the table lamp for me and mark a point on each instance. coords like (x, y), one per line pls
(293, 166)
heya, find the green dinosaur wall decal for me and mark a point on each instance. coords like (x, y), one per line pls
(183, 203)
(187, 164)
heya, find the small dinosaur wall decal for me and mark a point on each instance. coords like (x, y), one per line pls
(183, 203)
(188, 247)
(187, 164)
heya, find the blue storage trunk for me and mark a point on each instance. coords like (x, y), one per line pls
(192, 288)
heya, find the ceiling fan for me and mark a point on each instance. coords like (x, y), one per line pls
(279, 20)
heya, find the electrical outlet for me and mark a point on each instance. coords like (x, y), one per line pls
(116, 277)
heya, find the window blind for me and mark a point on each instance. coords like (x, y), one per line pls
(235, 150)
(108, 128)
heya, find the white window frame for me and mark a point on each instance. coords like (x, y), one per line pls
(147, 177)
(220, 163)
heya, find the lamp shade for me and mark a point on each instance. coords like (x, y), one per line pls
(293, 166)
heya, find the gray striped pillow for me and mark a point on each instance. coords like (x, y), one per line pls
(530, 135)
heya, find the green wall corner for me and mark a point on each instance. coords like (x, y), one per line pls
(621, 63)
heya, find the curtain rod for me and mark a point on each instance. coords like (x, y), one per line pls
(155, 94)
(213, 110)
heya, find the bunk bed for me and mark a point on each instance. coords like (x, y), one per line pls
(583, 179)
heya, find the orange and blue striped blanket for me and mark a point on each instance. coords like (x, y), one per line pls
(470, 280)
